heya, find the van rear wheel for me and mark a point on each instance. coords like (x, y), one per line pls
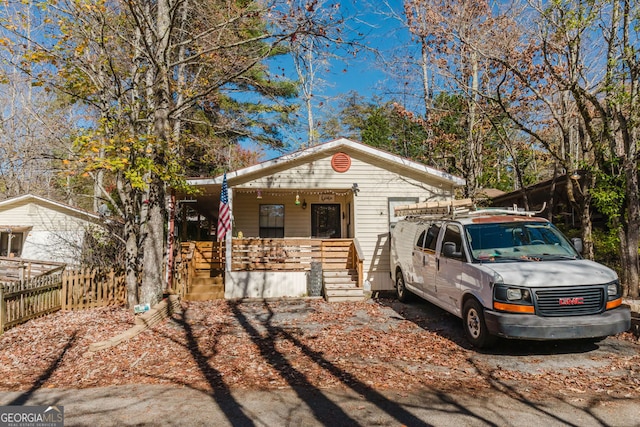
(474, 325)
(401, 290)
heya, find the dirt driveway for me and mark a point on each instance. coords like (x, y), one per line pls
(379, 352)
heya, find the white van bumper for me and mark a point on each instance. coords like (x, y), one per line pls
(534, 327)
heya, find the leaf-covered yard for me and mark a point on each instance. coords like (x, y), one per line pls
(266, 345)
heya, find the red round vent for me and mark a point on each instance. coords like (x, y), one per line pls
(341, 162)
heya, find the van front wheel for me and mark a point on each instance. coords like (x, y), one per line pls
(474, 325)
(401, 290)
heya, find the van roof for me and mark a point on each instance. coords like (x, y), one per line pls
(470, 218)
(484, 219)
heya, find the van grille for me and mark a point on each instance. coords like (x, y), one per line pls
(574, 301)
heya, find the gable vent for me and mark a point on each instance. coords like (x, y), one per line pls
(341, 162)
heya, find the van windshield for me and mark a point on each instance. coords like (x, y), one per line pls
(518, 241)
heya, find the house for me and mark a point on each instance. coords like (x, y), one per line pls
(550, 198)
(36, 228)
(329, 206)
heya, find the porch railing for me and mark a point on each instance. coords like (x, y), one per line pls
(292, 254)
(297, 254)
(256, 254)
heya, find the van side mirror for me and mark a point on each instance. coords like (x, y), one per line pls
(577, 243)
(449, 250)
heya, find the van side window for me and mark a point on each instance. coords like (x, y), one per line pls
(432, 237)
(420, 241)
(452, 235)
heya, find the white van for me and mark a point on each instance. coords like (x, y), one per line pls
(506, 273)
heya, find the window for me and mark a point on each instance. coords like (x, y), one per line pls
(398, 201)
(271, 221)
(11, 244)
(452, 237)
(432, 237)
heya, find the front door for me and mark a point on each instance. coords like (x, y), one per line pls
(325, 221)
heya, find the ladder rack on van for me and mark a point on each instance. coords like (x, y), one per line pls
(458, 208)
(451, 208)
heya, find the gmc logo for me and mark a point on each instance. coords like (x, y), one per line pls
(571, 301)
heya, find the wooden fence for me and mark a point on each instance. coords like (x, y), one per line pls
(83, 289)
(25, 299)
(60, 288)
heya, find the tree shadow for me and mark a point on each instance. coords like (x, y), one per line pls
(42, 379)
(545, 410)
(432, 318)
(325, 411)
(220, 391)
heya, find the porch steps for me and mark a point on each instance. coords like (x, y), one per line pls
(206, 286)
(341, 285)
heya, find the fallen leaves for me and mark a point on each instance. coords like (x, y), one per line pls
(269, 345)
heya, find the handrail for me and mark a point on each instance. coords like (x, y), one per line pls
(355, 261)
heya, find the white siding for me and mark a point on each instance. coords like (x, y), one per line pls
(369, 208)
(54, 234)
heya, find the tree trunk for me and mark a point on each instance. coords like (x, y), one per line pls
(153, 237)
(127, 196)
(630, 249)
(152, 269)
(474, 146)
(425, 77)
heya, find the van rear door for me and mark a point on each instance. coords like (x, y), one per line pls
(450, 263)
(415, 276)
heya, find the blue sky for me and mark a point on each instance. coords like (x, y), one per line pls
(362, 72)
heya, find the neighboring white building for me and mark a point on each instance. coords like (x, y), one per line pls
(36, 228)
(340, 189)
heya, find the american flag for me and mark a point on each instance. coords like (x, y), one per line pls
(224, 215)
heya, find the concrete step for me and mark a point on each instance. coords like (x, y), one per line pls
(204, 296)
(338, 295)
(339, 280)
(345, 299)
(339, 285)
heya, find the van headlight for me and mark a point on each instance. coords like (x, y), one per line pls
(614, 295)
(517, 294)
(613, 290)
(512, 298)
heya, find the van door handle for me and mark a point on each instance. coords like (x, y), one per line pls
(437, 263)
